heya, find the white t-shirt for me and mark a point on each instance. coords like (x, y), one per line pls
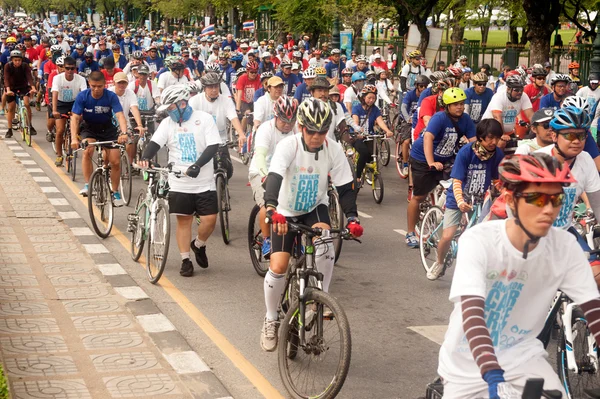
(338, 118)
(351, 98)
(127, 100)
(186, 143)
(263, 109)
(411, 72)
(316, 63)
(267, 136)
(584, 171)
(518, 293)
(144, 97)
(221, 110)
(68, 90)
(592, 97)
(510, 110)
(167, 79)
(304, 185)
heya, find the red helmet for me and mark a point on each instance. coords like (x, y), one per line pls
(285, 109)
(516, 170)
(252, 66)
(574, 65)
(455, 72)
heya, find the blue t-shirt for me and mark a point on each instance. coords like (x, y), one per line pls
(548, 101)
(411, 100)
(445, 137)
(334, 70)
(266, 67)
(478, 102)
(233, 45)
(290, 83)
(476, 175)
(88, 68)
(157, 62)
(425, 93)
(372, 115)
(103, 54)
(122, 62)
(302, 93)
(590, 146)
(78, 58)
(97, 111)
(259, 93)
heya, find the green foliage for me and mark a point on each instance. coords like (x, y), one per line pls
(4, 393)
(302, 16)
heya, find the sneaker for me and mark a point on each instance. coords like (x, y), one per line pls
(2, 112)
(33, 131)
(58, 162)
(49, 136)
(84, 191)
(187, 268)
(201, 258)
(405, 169)
(411, 240)
(269, 334)
(9, 134)
(436, 271)
(266, 248)
(117, 200)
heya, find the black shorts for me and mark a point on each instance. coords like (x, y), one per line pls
(285, 243)
(106, 132)
(61, 107)
(244, 106)
(18, 90)
(425, 178)
(200, 204)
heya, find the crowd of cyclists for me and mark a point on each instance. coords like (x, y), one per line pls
(528, 139)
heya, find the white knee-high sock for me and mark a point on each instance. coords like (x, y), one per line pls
(274, 287)
(324, 261)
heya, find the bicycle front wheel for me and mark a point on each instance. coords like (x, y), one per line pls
(430, 234)
(100, 205)
(26, 128)
(384, 152)
(223, 207)
(317, 366)
(377, 188)
(159, 235)
(399, 161)
(336, 217)
(255, 241)
(125, 183)
(139, 229)
(73, 164)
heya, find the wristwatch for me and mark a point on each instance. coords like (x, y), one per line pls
(354, 219)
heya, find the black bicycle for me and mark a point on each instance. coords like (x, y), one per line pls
(223, 199)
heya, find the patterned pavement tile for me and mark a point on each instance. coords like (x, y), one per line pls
(91, 306)
(74, 279)
(24, 309)
(10, 280)
(141, 385)
(40, 366)
(34, 344)
(102, 322)
(6, 230)
(115, 340)
(28, 326)
(55, 247)
(4, 248)
(31, 200)
(83, 292)
(12, 238)
(13, 258)
(59, 389)
(20, 294)
(35, 214)
(71, 268)
(70, 257)
(50, 237)
(15, 269)
(38, 207)
(126, 361)
(40, 222)
(52, 229)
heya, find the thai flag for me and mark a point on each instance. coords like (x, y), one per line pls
(248, 25)
(209, 30)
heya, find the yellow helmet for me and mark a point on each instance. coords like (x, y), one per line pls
(11, 39)
(453, 95)
(320, 71)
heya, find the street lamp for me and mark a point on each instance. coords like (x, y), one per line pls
(335, 33)
(595, 61)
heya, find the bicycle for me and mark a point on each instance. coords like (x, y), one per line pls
(534, 389)
(149, 122)
(223, 198)
(255, 242)
(150, 221)
(402, 133)
(431, 231)
(384, 144)
(311, 316)
(371, 174)
(336, 218)
(247, 150)
(23, 123)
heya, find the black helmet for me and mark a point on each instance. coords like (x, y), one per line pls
(422, 80)
(88, 54)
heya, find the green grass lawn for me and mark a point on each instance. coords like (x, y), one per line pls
(500, 37)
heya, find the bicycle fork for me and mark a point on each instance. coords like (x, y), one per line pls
(567, 320)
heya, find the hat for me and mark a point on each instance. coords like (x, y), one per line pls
(377, 56)
(335, 51)
(542, 115)
(295, 66)
(334, 90)
(143, 69)
(120, 77)
(275, 81)
(320, 83)
(547, 64)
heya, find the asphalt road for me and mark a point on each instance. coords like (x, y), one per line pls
(380, 284)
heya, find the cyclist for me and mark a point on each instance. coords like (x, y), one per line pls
(430, 105)
(303, 91)
(263, 107)
(541, 131)
(120, 60)
(335, 66)
(346, 81)
(268, 135)
(94, 109)
(575, 83)
(102, 51)
(410, 100)
(592, 94)
(17, 81)
(264, 78)
(432, 153)
(174, 76)
(465, 80)
(507, 272)
(142, 88)
(474, 170)
(296, 188)
(192, 138)
(560, 86)
(65, 88)
(78, 54)
(109, 70)
(321, 89)
(154, 61)
(478, 97)
(410, 71)
(266, 65)
(88, 65)
(129, 102)
(290, 80)
(536, 89)
(246, 86)
(359, 80)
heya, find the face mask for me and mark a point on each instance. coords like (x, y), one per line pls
(187, 113)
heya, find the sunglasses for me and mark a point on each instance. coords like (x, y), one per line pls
(545, 125)
(541, 199)
(517, 89)
(479, 84)
(70, 68)
(574, 136)
(421, 86)
(311, 133)
(540, 78)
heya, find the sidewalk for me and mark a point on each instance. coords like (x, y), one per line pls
(72, 323)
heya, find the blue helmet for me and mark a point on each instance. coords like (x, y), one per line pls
(571, 118)
(358, 76)
(467, 70)
(237, 57)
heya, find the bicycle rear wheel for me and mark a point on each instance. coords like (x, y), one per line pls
(255, 240)
(125, 183)
(139, 229)
(25, 126)
(318, 366)
(159, 235)
(223, 207)
(336, 217)
(73, 165)
(429, 235)
(377, 188)
(384, 152)
(100, 205)
(399, 161)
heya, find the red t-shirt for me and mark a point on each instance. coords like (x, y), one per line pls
(49, 67)
(110, 78)
(247, 87)
(428, 108)
(32, 54)
(535, 95)
(276, 61)
(41, 53)
(49, 85)
(342, 89)
(380, 64)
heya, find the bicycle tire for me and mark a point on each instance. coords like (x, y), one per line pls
(378, 188)
(333, 383)
(255, 240)
(223, 207)
(384, 152)
(125, 183)
(100, 204)
(25, 126)
(73, 165)
(430, 233)
(399, 162)
(336, 217)
(137, 236)
(162, 213)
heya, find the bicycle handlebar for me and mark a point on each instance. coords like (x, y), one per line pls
(155, 168)
(114, 144)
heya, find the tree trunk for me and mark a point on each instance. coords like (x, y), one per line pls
(458, 30)
(485, 30)
(421, 25)
(356, 34)
(539, 47)
(542, 17)
(513, 33)
(524, 36)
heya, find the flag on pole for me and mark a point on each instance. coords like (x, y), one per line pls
(209, 30)
(248, 25)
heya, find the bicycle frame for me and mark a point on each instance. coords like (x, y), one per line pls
(373, 166)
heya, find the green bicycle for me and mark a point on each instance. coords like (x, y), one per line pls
(371, 174)
(23, 123)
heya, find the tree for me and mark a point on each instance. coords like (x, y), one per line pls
(300, 16)
(542, 18)
(578, 12)
(481, 16)
(457, 24)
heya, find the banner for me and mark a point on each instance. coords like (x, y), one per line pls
(414, 37)
(346, 42)
(367, 32)
(209, 30)
(248, 25)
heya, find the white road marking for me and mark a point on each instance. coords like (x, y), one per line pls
(21, 154)
(155, 323)
(95, 249)
(58, 202)
(364, 215)
(68, 215)
(134, 292)
(432, 333)
(34, 170)
(187, 362)
(400, 231)
(80, 231)
(111, 269)
(42, 179)
(50, 189)
(28, 162)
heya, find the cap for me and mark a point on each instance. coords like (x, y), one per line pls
(390, 46)
(377, 56)
(295, 66)
(547, 64)
(334, 90)
(275, 81)
(120, 77)
(542, 115)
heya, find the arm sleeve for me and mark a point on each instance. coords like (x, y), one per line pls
(207, 155)
(477, 333)
(403, 83)
(151, 150)
(348, 199)
(404, 111)
(273, 185)
(260, 160)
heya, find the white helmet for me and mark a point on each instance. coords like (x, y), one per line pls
(577, 102)
(309, 73)
(213, 67)
(172, 95)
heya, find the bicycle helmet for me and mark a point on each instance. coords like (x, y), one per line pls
(438, 75)
(56, 49)
(172, 95)
(347, 72)
(88, 54)
(285, 109)
(211, 79)
(297, 54)
(453, 95)
(514, 82)
(574, 65)
(16, 54)
(213, 67)
(79, 46)
(236, 57)
(577, 102)
(361, 58)
(570, 118)
(53, 42)
(320, 71)
(267, 75)
(422, 80)
(309, 73)
(560, 77)
(252, 66)
(539, 72)
(315, 115)
(462, 58)
(358, 76)
(240, 72)
(441, 85)
(414, 54)
(11, 39)
(368, 89)
(60, 61)
(480, 77)
(138, 55)
(466, 70)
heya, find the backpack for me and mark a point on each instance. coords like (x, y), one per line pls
(137, 87)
